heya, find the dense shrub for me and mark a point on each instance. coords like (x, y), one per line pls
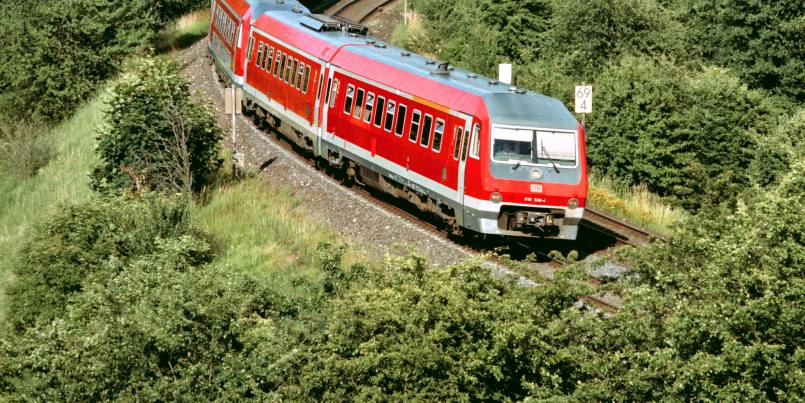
(56, 53)
(155, 136)
(419, 333)
(586, 36)
(760, 40)
(775, 153)
(687, 135)
(85, 244)
(490, 32)
(716, 314)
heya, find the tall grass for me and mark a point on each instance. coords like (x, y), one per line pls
(185, 31)
(413, 36)
(25, 200)
(635, 204)
(260, 230)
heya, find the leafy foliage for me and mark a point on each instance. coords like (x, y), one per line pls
(761, 40)
(424, 334)
(56, 53)
(155, 137)
(491, 31)
(691, 137)
(586, 36)
(85, 244)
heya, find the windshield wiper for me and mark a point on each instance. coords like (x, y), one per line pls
(544, 151)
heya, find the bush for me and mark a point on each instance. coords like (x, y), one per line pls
(56, 53)
(85, 244)
(586, 36)
(688, 137)
(24, 147)
(156, 137)
(761, 41)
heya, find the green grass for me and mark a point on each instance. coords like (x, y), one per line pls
(185, 31)
(635, 204)
(25, 201)
(261, 227)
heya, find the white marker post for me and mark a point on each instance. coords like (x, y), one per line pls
(584, 100)
(505, 73)
(232, 105)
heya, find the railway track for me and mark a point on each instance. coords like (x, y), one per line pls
(356, 10)
(623, 232)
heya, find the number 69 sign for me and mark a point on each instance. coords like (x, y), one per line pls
(584, 99)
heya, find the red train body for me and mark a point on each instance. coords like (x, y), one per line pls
(481, 155)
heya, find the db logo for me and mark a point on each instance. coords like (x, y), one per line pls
(536, 188)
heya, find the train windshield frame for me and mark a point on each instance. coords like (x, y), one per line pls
(534, 146)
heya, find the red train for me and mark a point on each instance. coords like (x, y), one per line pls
(481, 155)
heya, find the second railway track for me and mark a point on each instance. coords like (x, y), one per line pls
(356, 10)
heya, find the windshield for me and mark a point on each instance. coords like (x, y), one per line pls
(529, 146)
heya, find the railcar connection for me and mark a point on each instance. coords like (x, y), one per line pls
(480, 155)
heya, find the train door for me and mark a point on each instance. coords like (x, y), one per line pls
(326, 129)
(463, 149)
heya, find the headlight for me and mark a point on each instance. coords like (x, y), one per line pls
(496, 197)
(573, 203)
(536, 174)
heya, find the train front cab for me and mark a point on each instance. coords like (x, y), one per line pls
(531, 170)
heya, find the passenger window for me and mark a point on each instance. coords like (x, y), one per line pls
(465, 145)
(457, 143)
(348, 102)
(282, 66)
(412, 135)
(426, 131)
(334, 93)
(277, 63)
(259, 55)
(307, 80)
(327, 91)
(267, 60)
(300, 75)
(381, 104)
(475, 148)
(389, 115)
(358, 104)
(438, 132)
(370, 104)
(401, 116)
(289, 70)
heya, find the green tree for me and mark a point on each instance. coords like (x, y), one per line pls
(155, 136)
(56, 53)
(587, 36)
(688, 136)
(761, 40)
(85, 244)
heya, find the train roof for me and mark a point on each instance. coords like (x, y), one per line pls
(506, 104)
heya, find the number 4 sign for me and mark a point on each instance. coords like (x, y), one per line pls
(584, 99)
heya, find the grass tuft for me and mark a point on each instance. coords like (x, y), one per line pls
(185, 31)
(635, 204)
